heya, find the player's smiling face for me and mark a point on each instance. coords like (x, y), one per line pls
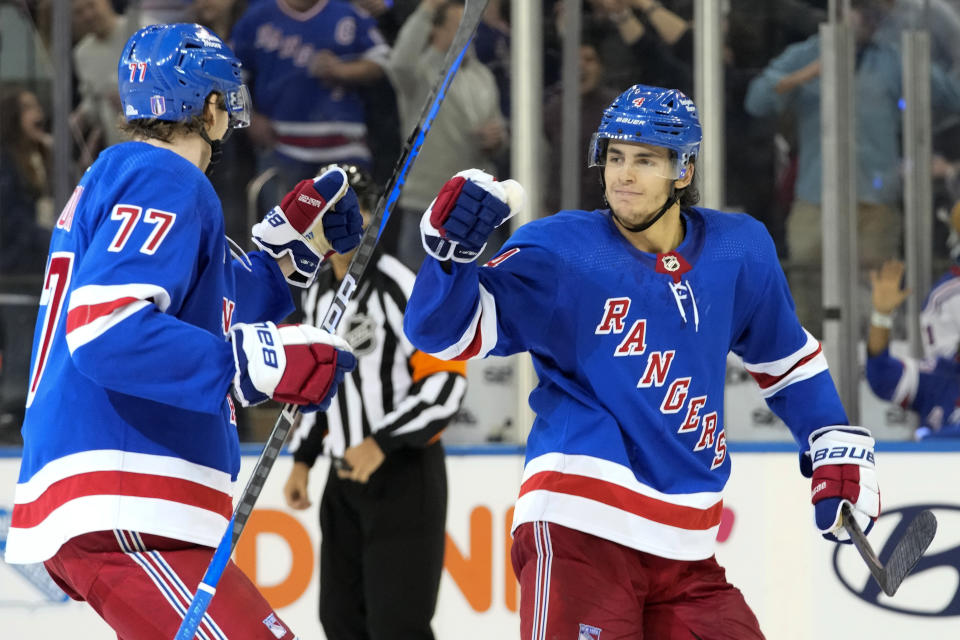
(637, 178)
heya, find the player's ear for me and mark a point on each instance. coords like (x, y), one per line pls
(686, 176)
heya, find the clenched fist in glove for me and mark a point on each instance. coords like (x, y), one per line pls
(315, 219)
(841, 464)
(465, 212)
(295, 363)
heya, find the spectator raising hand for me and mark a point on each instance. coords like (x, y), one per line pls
(929, 387)
(888, 294)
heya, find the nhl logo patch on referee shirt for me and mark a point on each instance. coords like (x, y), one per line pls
(588, 633)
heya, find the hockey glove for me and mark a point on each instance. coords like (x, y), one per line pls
(841, 464)
(295, 363)
(465, 212)
(315, 219)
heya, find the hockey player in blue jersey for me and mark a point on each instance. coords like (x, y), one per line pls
(628, 314)
(146, 320)
(931, 386)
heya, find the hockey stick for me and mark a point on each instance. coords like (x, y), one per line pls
(905, 555)
(472, 13)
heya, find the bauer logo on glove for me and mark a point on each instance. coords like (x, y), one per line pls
(296, 363)
(318, 217)
(842, 467)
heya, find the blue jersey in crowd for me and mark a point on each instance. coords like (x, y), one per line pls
(315, 121)
(630, 348)
(128, 422)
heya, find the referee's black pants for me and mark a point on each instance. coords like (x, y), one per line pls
(381, 549)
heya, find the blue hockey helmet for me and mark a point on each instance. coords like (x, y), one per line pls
(651, 115)
(166, 71)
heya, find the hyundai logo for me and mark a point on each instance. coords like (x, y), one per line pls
(937, 558)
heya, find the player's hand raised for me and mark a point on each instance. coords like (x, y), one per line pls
(316, 218)
(295, 363)
(468, 208)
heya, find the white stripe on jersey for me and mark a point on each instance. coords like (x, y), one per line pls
(907, 385)
(435, 412)
(485, 322)
(783, 365)
(622, 527)
(790, 369)
(325, 154)
(93, 294)
(84, 334)
(116, 460)
(107, 512)
(369, 369)
(330, 127)
(590, 467)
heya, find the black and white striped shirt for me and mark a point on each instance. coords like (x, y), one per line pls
(398, 394)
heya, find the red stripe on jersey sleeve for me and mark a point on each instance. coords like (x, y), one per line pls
(120, 483)
(624, 499)
(86, 314)
(765, 380)
(474, 347)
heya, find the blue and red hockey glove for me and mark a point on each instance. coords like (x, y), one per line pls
(841, 466)
(292, 227)
(465, 212)
(295, 363)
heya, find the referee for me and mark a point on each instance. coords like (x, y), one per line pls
(384, 506)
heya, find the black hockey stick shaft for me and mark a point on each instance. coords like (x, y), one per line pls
(472, 14)
(906, 552)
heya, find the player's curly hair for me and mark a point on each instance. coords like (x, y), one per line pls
(690, 195)
(161, 129)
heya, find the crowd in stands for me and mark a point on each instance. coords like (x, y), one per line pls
(343, 81)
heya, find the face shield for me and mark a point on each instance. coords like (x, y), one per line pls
(239, 106)
(645, 160)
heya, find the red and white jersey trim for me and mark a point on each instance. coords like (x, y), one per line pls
(481, 335)
(802, 364)
(605, 499)
(94, 309)
(107, 489)
(907, 385)
(354, 130)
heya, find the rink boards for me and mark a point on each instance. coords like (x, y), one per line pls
(800, 586)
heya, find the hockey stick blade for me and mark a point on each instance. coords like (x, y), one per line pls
(472, 13)
(905, 555)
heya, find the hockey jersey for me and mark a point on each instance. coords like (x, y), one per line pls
(398, 395)
(129, 424)
(314, 120)
(628, 442)
(930, 387)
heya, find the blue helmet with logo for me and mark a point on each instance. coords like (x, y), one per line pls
(166, 71)
(651, 115)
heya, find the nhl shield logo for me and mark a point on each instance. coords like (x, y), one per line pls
(638, 102)
(670, 262)
(588, 633)
(158, 105)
